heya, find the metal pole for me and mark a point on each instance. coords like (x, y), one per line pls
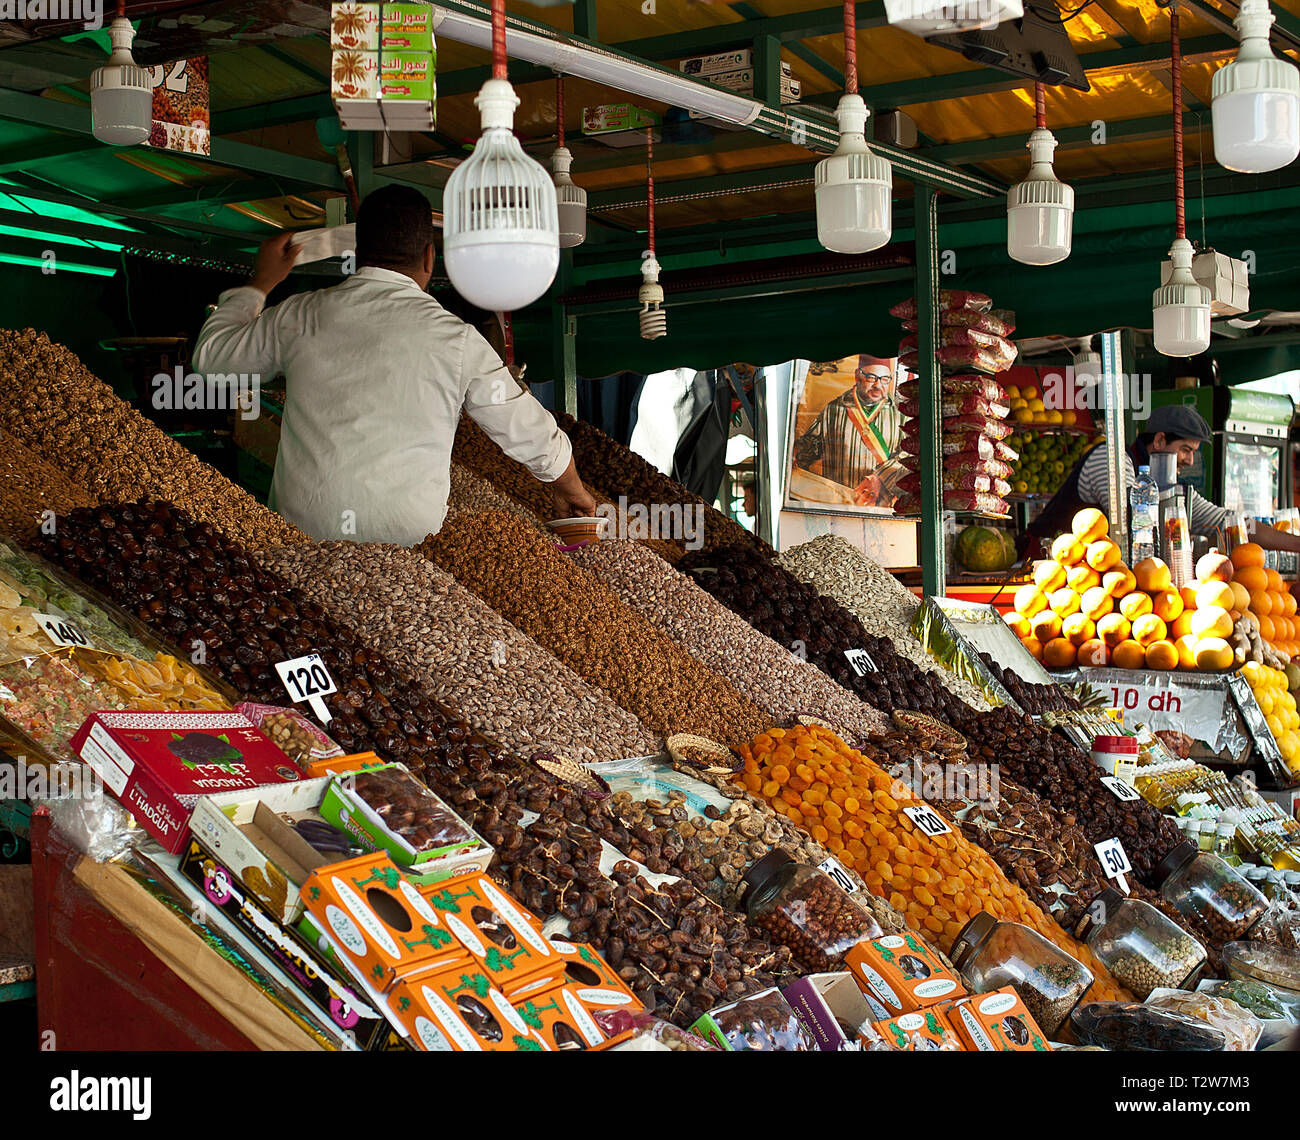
(567, 395)
(933, 571)
(1114, 391)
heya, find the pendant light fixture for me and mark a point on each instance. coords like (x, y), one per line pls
(654, 321)
(500, 219)
(1181, 307)
(1256, 100)
(1040, 210)
(121, 96)
(570, 198)
(854, 185)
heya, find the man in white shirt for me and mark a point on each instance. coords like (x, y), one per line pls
(377, 374)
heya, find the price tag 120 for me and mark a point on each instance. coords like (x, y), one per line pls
(860, 661)
(927, 820)
(1114, 860)
(307, 679)
(832, 867)
(61, 631)
(1121, 789)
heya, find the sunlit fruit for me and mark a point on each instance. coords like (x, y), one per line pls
(1252, 577)
(1240, 597)
(1181, 626)
(1119, 581)
(1068, 550)
(1114, 628)
(1279, 606)
(1064, 601)
(1274, 725)
(1089, 525)
(1060, 653)
(1081, 577)
(1247, 554)
(1046, 625)
(1274, 579)
(1134, 605)
(1266, 630)
(1261, 603)
(1095, 653)
(1149, 629)
(1049, 575)
(1214, 567)
(1188, 596)
(1078, 628)
(1213, 653)
(1152, 575)
(1214, 594)
(1265, 699)
(1102, 554)
(1213, 621)
(1161, 655)
(1128, 655)
(1019, 624)
(1286, 630)
(1167, 605)
(1030, 600)
(1186, 646)
(1096, 602)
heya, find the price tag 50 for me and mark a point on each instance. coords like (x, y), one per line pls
(1114, 861)
(307, 679)
(61, 631)
(927, 820)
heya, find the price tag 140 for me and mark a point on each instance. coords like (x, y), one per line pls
(61, 631)
(307, 679)
(860, 661)
(929, 821)
(1121, 789)
(832, 867)
(1114, 861)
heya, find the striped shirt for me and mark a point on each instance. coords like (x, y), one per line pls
(1094, 487)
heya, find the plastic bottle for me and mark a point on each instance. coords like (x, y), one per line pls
(1144, 508)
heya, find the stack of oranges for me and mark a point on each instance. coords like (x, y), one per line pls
(1262, 594)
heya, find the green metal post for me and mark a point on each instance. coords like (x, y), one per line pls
(767, 70)
(564, 339)
(927, 315)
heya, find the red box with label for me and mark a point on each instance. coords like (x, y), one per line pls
(159, 763)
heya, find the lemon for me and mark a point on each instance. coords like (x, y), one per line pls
(1069, 419)
(1036, 405)
(1265, 700)
(1274, 725)
(1023, 416)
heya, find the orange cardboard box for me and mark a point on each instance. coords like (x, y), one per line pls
(461, 1011)
(562, 1020)
(582, 966)
(339, 765)
(997, 1022)
(377, 922)
(920, 1031)
(899, 973)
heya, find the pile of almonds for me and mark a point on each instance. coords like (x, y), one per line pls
(30, 488)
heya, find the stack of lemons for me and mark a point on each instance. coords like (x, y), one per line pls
(1279, 708)
(1027, 407)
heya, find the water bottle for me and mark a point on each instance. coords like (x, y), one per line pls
(1144, 510)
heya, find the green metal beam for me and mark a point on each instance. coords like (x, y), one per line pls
(272, 114)
(767, 70)
(45, 151)
(302, 67)
(933, 569)
(1067, 138)
(63, 198)
(205, 193)
(584, 19)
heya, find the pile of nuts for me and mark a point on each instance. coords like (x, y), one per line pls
(29, 487)
(819, 922)
(53, 405)
(875, 597)
(767, 673)
(292, 736)
(794, 614)
(462, 652)
(472, 492)
(525, 578)
(1051, 991)
(1049, 765)
(1033, 698)
(1162, 964)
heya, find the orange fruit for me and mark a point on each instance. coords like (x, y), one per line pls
(1128, 655)
(1240, 597)
(1068, 550)
(1248, 554)
(1279, 606)
(1181, 626)
(1064, 601)
(1046, 625)
(1213, 653)
(1113, 628)
(1274, 579)
(1035, 648)
(1095, 653)
(1214, 567)
(1119, 581)
(1134, 605)
(1089, 525)
(1060, 654)
(1078, 628)
(1266, 630)
(1188, 596)
(1049, 575)
(1167, 605)
(1289, 605)
(1162, 655)
(1149, 629)
(1102, 554)
(1252, 577)
(1096, 602)
(1030, 600)
(1186, 646)
(1082, 577)
(1019, 624)
(1213, 621)
(1152, 575)
(1215, 594)
(1261, 603)
(1286, 628)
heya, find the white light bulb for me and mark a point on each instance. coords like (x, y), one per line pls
(571, 200)
(500, 218)
(1040, 210)
(1256, 100)
(1181, 309)
(854, 188)
(121, 96)
(654, 321)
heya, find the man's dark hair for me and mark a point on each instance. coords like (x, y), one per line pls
(394, 228)
(1147, 438)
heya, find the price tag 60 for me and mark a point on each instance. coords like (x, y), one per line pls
(61, 631)
(307, 679)
(927, 820)
(1114, 860)
(860, 661)
(1121, 789)
(832, 867)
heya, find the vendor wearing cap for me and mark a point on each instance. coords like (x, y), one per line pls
(1174, 428)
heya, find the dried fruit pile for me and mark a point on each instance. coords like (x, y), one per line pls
(525, 578)
(29, 487)
(847, 800)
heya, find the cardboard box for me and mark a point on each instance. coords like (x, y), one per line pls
(354, 75)
(825, 1003)
(333, 1000)
(899, 973)
(706, 66)
(407, 27)
(561, 1019)
(460, 1011)
(344, 808)
(160, 763)
(592, 980)
(341, 765)
(996, 1023)
(246, 832)
(407, 77)
(742, 82)
(619, 124)
(354, 26)
(921, 1031)
(377, 921)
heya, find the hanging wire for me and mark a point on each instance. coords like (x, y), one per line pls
(559, 110)
(1200, 146)
(499, 40)
(650, 183)
(1040, 106)
(1176, 61)
(850, 48)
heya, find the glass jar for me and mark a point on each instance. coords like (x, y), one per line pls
(805, 909)
(1225, 839)
(990, 954)
(1207, 832)
(1218, 902)
(1139, 945)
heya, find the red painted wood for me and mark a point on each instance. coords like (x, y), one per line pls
(98, 987)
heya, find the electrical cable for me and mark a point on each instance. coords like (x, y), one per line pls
(1040, 106)
(1176, 62)
(650, 184)
(499, 70)
(559, 110)
(850, 48)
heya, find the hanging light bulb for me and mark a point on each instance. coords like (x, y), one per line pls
(1181, 307)
(500, 219)
(1040, 210)
(854, 185)
(654, 321)
(121, 97)
(1256, 100)
(570, 198)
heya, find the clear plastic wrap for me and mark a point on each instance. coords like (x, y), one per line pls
(971, 384)
(971, 463)
(1133, 1026)
(952, 443)
(291, 732)
(1241, 1028)
(989, 360)
(960, 481)
(955, 336)
(762, 1022)
(950, 300)
(96, 825)
(990, 427)
(652, 1034)
(999, 322)
(959, 404)
(409, 809)
(983, 503)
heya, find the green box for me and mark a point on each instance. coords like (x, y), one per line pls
(408, 77)
(407, 27)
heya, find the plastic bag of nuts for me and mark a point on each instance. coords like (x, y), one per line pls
(291, 732)
(652, 1034)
